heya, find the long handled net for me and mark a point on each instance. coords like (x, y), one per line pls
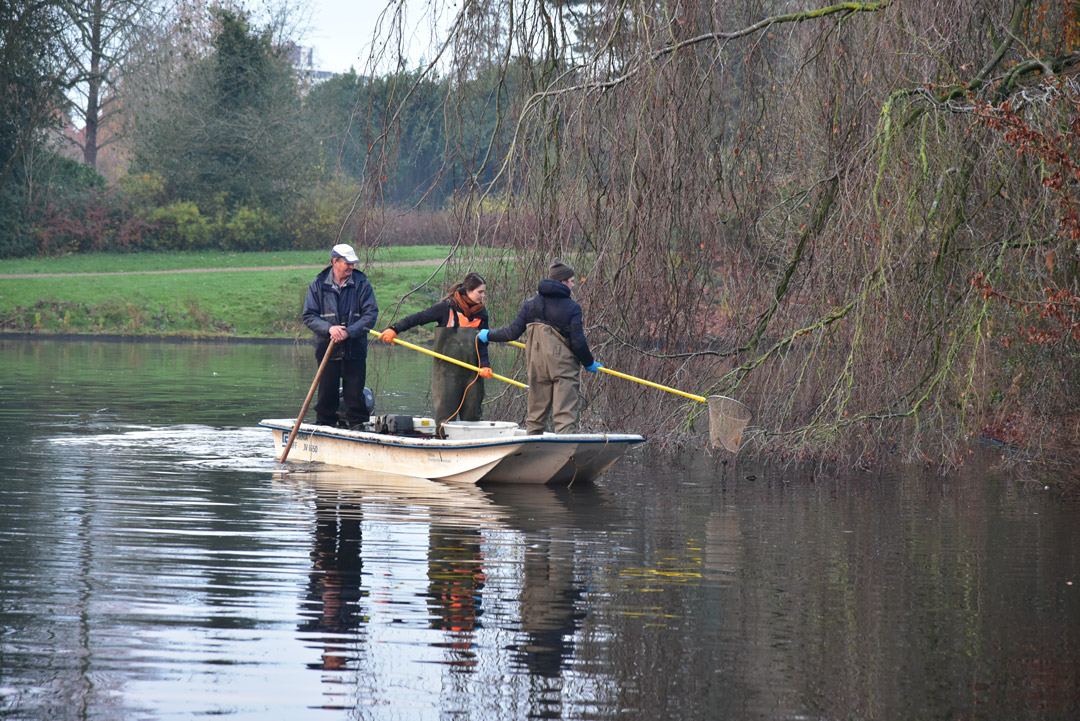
(727, 421)
(727, 417)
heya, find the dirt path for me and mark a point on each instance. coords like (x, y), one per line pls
(383, 264)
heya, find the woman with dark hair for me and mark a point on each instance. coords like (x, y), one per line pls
(458, 392)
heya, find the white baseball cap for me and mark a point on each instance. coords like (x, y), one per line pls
(344, 250)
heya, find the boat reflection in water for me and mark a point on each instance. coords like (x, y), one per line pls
(409, 576)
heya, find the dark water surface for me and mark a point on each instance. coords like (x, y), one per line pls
(155, 563)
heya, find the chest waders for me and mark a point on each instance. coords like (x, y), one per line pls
(554, 374)
(449, 382)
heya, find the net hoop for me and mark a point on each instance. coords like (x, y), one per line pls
(727, 421)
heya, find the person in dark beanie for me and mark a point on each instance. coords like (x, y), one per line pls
(340, 305)
(458, 392)
(560, 271)
(555, 351)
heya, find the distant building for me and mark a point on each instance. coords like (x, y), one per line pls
(303, 62)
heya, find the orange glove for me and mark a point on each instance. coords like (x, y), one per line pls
(388, 335)
(486, 372)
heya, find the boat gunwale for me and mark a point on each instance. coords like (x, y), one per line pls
(383, 439)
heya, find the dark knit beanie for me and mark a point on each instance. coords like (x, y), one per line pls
(560, 271)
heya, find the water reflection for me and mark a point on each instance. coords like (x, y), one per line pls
(455, 591)
(156, 564)
(332, 609)
(523, 536)
(549, 613)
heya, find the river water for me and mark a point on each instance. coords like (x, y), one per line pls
(155, 563)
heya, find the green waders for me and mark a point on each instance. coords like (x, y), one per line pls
(449, 382)
(554, 374)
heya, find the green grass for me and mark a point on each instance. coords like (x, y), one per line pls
(133, 262)
(242, 304)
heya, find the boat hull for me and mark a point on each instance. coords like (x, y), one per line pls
(556, 459)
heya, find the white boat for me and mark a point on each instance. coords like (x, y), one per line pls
(485, 451)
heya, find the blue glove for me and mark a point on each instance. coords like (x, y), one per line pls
(482, 335)
(594, 367)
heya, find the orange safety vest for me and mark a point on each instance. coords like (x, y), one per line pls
(457, 318)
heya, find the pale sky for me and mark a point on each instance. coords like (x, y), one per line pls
(341, 30)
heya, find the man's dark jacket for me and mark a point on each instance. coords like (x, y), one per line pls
(353, 306)
(553, 306)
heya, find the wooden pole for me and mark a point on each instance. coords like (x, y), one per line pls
(307, 401)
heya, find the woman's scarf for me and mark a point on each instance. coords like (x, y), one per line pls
(466, 304)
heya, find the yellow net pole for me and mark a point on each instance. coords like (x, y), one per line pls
(638, 380)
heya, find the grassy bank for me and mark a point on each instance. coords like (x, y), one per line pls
(219, 300)
(136, 262)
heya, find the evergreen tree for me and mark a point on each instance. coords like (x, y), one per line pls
(230, 131)
(31, 102)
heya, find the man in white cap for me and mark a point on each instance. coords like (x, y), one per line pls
(340, 305)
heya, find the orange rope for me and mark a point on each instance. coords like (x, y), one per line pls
(476, 342)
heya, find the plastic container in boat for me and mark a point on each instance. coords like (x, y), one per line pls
(468, 430)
